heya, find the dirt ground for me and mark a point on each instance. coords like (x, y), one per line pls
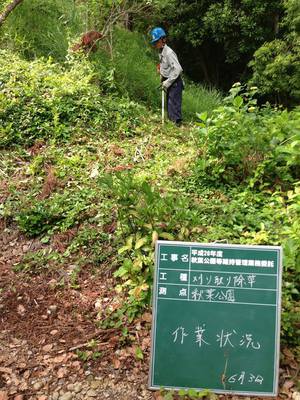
(51, 348)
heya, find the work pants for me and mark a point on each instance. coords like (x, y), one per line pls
(174, 100)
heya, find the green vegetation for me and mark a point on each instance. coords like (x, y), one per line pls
(242, 142)
(41, 28)
(140, 79)
(92, 176)
(187, 394)
(233, 177)
(42, 100)
(276, 64)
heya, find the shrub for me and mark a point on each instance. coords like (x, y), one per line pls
(59, 212)
(241, 142)
(276, 71)
(276, 64)
(42, 100)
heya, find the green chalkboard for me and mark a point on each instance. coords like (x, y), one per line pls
(216, 318)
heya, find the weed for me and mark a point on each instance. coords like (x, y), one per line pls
(38, 262)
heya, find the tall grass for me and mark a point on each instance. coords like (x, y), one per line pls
(197, 99)
(41, 28)
(134, 63)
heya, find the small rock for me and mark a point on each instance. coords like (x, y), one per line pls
(38, 385)
(47, 347)
(77, 388)
(95, 384)
(21, 309)
(296, 396)
(55, 396)
(91, 393)
(54, 332)
(52, 309)
(66, 396)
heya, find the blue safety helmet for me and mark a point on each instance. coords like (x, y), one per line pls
(156, 34)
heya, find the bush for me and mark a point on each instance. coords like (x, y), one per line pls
(59, 212)
(42, 100)
(276, 71)
(276, 64)
(241, 142)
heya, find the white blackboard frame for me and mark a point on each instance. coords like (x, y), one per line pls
(274, 393)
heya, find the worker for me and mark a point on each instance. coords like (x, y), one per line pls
(170, 71)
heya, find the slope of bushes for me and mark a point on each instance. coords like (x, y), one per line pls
(42, 100)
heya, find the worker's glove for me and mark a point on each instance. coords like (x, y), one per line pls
(161, 87)
(164, 86)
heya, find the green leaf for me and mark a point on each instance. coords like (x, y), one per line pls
(120, 272)
(128, 245)
(192, 393)
(166, 235)
(129, 241)
(123, 249)
(202, 116)
(238, 101)
(139, 353)
(140, 243)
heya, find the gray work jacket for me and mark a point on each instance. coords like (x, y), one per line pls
(170, 67)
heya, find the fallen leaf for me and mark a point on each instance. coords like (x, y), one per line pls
(23, 387)
(117, 150)
(158, 396)
(47, 348)
(26, 374)
(147, 317)
(59, 359)
(6, 370)
(3, 395)
(146, 343)
(76, 364)
(62, 372)
(287, 353)
(116, 363)
(287, 385)
(21, 309)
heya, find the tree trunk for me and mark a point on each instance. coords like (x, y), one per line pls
(9, 8)
(204, 68)
(276, 25)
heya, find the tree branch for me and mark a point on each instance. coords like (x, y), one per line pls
(9, 8)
